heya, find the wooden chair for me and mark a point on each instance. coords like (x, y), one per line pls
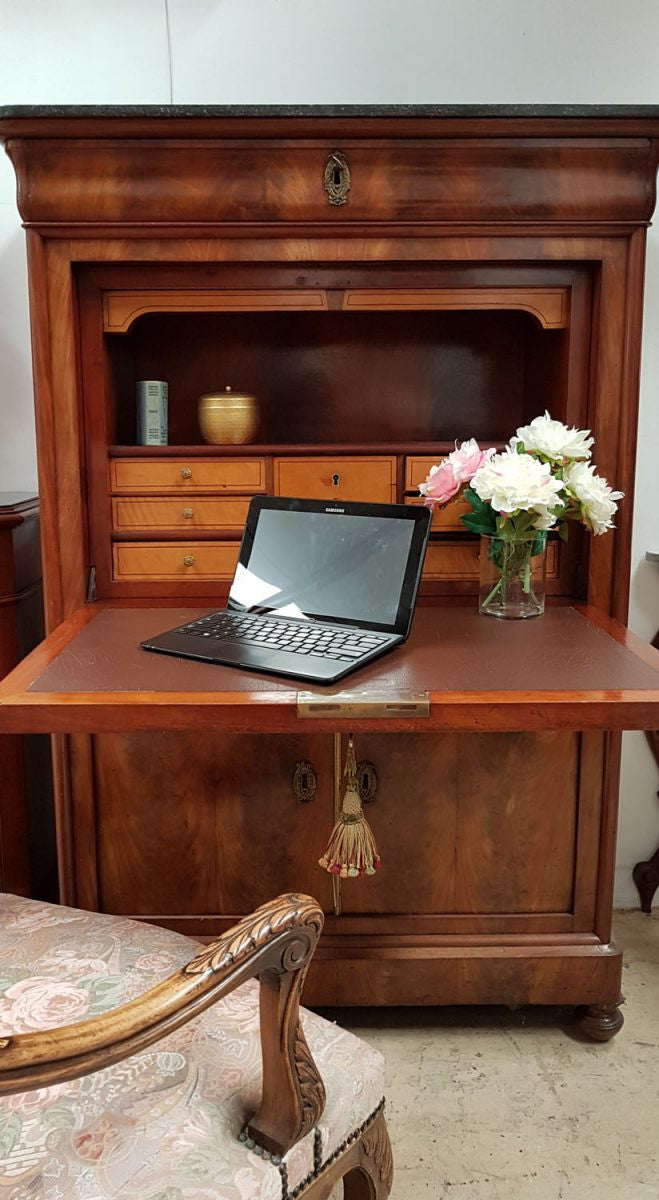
(157, 1095)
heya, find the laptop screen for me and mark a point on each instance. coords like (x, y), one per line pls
(337, 564)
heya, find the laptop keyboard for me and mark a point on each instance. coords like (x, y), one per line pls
(296, 637)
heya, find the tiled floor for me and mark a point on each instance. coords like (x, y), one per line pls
(485, 1104)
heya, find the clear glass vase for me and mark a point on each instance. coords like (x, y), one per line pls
(512, 577)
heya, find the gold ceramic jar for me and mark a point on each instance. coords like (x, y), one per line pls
(228, 418)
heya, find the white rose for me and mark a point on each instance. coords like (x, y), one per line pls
(515, 482)
(553, 439)
(595, 498)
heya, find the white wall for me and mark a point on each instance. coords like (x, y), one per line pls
(342, 51)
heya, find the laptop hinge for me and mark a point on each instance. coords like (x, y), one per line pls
(374, 704)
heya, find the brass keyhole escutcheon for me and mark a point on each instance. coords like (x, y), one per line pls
(367, 782)
(337, 178)
(188, 513)
(186, 472)
(336, 478)
(305, 782)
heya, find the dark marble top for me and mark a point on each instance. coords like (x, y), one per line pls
(630, 111)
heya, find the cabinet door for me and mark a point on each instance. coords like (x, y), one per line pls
(470, 824)
(198, 824)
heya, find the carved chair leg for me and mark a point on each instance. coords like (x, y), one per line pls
(366, 1168)
(373, 1178)
(601, 1022)
(646, 878)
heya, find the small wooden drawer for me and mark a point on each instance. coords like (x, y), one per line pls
(452, 560)
(448, 517)
(154, 561)
(153, 475)
(460, 560)
(134, 513)
(372, 480)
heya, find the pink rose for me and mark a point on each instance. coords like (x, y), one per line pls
(441, 485)
(155, 960)
(31, 1104)
(467, 458)
(458, 468)
(42, 1004)
(92, 1144)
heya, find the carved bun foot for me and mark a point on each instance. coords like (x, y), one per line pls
(600, 1022)
(646, 878)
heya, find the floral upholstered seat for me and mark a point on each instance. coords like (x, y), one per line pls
(164, 1124)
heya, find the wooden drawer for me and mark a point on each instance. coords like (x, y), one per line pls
(416, 470)
(134, 513)
(460, 560)
(370, 479)
(187, 475)
(134, 561)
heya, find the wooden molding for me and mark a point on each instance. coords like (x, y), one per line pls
(549, 306)
(121, 309)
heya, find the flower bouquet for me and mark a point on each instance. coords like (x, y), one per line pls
(540, 482)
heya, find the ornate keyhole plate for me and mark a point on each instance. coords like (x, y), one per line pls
(367, 782)
(337, 178)
(305, 782)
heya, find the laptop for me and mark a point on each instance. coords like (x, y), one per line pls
(320, 589)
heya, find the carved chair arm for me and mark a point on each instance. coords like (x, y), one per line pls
(275, 944)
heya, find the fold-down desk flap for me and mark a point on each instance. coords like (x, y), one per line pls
(570, 669)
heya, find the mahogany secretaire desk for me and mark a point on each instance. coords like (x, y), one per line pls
(385, 281)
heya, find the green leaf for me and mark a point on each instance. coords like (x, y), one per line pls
(474, 500)
(10, 976)
(200, 1164)
(563, 531)
(481, 519)
(477, 524)
(10, 1132)
(58, 1116)
(106, 993)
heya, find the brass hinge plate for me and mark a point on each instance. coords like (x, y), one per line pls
(376, 705)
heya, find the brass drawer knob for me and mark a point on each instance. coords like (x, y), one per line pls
(186, 472)
(187, 513)
(188, 560)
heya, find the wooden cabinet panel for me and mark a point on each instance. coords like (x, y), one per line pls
(447, 518)
(187, 474)
(213, 825)
(21, 626)
(470, 823)
(460, 560)
(134, 513)
(368, 479)
(174, 560)
(427, 175)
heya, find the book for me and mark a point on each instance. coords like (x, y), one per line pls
(152, 412)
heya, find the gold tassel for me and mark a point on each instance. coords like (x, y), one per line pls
(351, 849)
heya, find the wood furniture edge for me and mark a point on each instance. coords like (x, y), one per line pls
(502, 711)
